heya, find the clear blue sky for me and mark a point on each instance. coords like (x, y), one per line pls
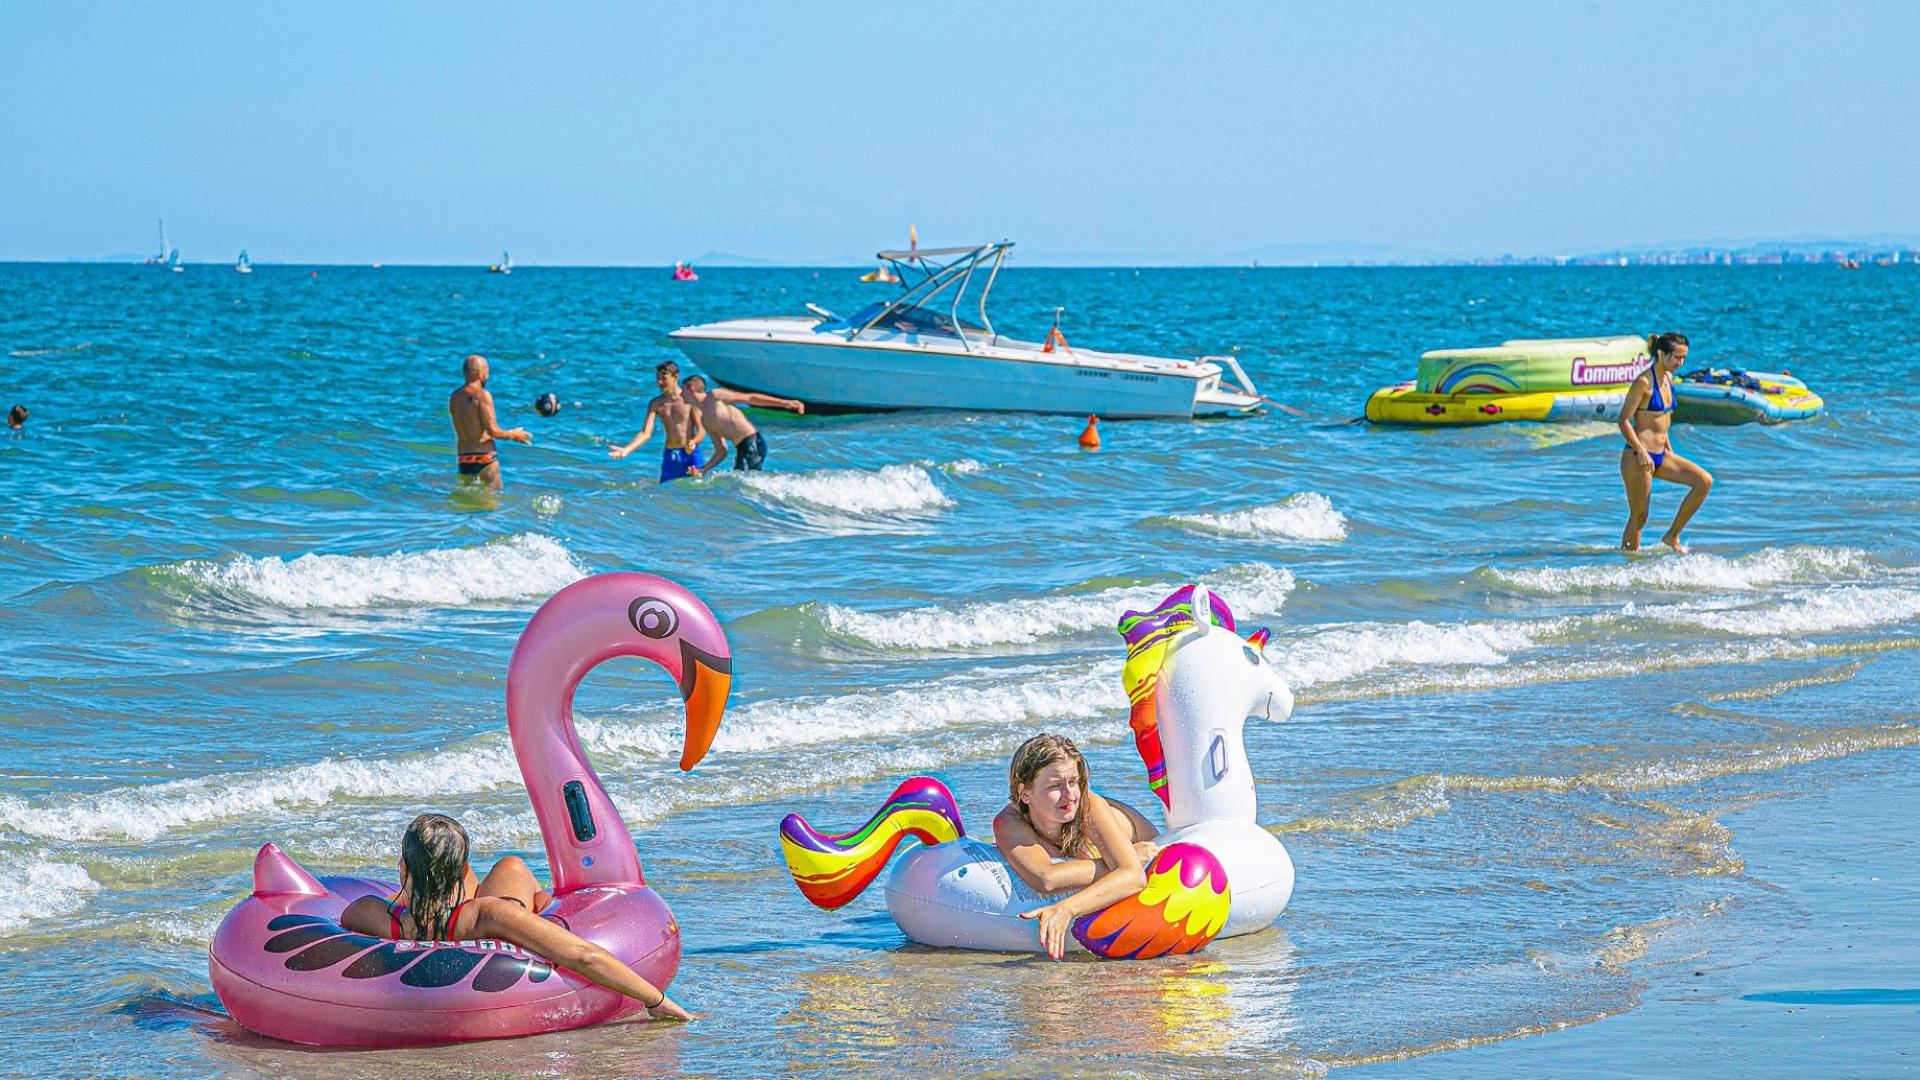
(629, 133)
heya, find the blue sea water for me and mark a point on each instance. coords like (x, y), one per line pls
(242, 599)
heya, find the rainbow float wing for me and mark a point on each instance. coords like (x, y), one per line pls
(1183, 906)
(832, 870)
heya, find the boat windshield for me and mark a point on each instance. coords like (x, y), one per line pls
(921, 320)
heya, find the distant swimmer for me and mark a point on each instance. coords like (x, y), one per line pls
(681, 421)
(17, 417)
(1646, 420)
(726, 424)
(475, 426)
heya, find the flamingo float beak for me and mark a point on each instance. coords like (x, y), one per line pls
(705, 681)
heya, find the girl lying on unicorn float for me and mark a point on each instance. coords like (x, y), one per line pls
(1066, 860)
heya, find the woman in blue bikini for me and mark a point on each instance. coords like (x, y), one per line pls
(1645, 420)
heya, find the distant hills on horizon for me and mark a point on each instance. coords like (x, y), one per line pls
(1896, 247)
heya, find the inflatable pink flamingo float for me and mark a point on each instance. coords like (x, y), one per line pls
(285, 967)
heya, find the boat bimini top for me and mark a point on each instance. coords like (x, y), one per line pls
(928, 276)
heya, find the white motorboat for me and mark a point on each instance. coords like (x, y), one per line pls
(918, 352)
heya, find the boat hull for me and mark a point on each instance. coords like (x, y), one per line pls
(858, 376)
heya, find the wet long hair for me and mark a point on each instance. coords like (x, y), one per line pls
(1035, 754)
(434, 852)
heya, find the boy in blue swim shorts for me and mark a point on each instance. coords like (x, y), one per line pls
(681, 422)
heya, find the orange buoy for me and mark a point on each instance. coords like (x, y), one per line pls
(1090, 438)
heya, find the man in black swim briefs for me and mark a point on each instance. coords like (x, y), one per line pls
(475, 426)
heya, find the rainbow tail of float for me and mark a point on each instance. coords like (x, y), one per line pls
(832, 870)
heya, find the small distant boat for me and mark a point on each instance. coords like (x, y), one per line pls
(882, 275)
(244, 265)
(504, 266)
(684, 272)
(173, 262)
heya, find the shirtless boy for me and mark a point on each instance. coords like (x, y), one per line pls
(475, 426)
(682, 424)
(726, 424)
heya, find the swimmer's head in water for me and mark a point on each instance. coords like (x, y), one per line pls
(433, 862)
(546, 404)
(1047, 782)
(475, 368)
(17, 416)
(1668, 350)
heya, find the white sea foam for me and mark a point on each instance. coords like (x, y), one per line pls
(513, 568)
(1696, 570)
(987, 700)
(149, 811)
(1252, 589)
(891, 489)
(1308, 515)
(1340, 653)
(38, 886)
(1827, 611)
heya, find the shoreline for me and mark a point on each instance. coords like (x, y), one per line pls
(1800, 1005)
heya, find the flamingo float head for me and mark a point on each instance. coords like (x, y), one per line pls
(580, 627)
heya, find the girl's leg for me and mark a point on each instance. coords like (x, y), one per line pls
(511, 880)
(1698, 481)
(1639, 489)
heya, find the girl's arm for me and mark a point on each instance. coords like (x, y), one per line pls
(367, 915)
(1027, 854)
(1636, 395)
(1115, 840)
(507, 921)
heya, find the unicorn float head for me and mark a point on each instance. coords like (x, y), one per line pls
(285, 967)
(1192, 682)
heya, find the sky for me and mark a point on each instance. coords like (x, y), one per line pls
(634, 134)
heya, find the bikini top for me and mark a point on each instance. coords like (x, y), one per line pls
(1653, 403)
(394, 911)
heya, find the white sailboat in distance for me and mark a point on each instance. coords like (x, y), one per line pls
(159, 258)
(244, 265)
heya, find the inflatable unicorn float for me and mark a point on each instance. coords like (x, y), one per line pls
(285, 967)
(1192, 683)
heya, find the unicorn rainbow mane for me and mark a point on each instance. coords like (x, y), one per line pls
(1149, 635)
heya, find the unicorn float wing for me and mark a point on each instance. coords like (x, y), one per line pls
(1192, 683)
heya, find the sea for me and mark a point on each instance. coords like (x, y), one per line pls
(1555, 809)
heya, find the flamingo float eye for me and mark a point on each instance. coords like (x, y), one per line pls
(652, 617)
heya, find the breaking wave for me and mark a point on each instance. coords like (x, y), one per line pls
(514, 568)
(1308, 515)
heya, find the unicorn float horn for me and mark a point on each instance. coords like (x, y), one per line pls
(832, 870)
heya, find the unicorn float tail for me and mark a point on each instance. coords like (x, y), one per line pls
(832, 870)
